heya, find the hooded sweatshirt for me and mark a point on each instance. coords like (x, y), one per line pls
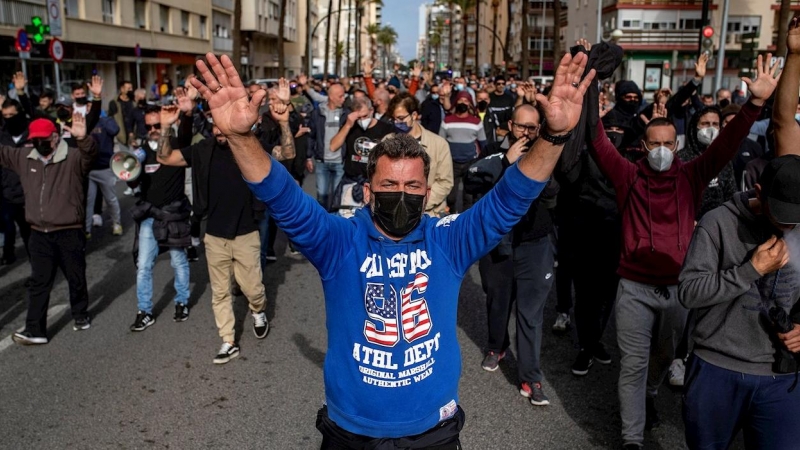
(658, 208)
(393, 361)
(721, 188)
(731, 298)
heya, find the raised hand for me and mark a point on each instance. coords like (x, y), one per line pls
(96, 86)
(417, 70)
(190, 90)
(279, 112)
(226, 96)
(659, 111)
(700, 65)
(302, 79)
(284, 92)
(585, 43)
(562, 108)
(20, 82)
(78, 127)
(530, 93)
(169, 115)
(185, 103)
(446, 88)
(793, 37)
(766, 79)
(366, 66)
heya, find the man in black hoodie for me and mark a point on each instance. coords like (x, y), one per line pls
(13, 134)
(626, 112)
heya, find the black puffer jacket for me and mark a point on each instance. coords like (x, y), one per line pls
(720, 189)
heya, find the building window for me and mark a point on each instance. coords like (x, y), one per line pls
(636, 24)
(163, 17)
(202, 27)
(185, 23)
(140, 13)
(660, 25)
(744, 24)
(691, 24)
(71, 8)
(108, 11)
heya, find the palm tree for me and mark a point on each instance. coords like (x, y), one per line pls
(327, 40)
(338, 27)
(237, 35)
(338, 53)
(524, 33)
(349, 25)
(435, 40)
(784, 16)
(465, 6)
(556, 33)
(281, 42)
(450, 4)
(360, 4)
(387, 37)
(495, 6)
(509, 11)
(372, 31)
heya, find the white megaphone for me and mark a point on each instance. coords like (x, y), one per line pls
(125, 165)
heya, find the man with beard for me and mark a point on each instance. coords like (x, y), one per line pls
(162, 212)
(391, 270)
(500, 108)
(121, 109)
(520, 269)
(659, 198)
(53, 177)
(232, 237)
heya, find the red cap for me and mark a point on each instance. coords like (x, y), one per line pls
(41, 128)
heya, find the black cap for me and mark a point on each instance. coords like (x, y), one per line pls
(780, 189)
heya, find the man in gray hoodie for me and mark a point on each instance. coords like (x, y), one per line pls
(743, 368)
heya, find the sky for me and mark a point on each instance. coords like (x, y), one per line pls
(403, 16)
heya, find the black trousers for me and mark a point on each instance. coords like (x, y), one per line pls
(460, 171)
(527, 277)
(444, 436)
(13, 215)
(596, 280)
(65, 250)
(565, 273)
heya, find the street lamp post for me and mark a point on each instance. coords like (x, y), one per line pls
(313, 31)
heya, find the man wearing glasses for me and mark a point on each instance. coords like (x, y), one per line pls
(501, 106)
(520, 268)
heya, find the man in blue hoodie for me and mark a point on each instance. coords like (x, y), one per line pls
(391, 275)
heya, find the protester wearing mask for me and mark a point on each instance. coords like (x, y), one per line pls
(162, 214)
(660, 197)
(432, 111)
(121, 109)
(139, 131)
(626, 113)
(723, 97)
(405, 113)
(706, 124)
(12, 209)
(67, 106)
(55, 202)
(464, 132)
(520, 270)
(79, 99)
(682, 106)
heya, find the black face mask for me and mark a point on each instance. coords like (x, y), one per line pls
(63, 114)
(141, 103)
(461, 108)
(724, 102)
(482, 105)
(45, 148)
(397, 212)
(16, 125)
(81, 100)
(615, 138)
(629, 106)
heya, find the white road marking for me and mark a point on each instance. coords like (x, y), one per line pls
(52, 312)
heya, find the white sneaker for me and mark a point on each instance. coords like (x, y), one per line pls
(97, 220)
(128, 191)
(562, 323)
(676, 372)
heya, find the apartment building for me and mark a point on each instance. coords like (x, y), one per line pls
(260, 21)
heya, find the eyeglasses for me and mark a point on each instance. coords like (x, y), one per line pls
(155, 126)
(526, 128)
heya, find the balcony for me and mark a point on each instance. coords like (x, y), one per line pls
(657, 4)
(19, 12)
(794, 6)
(224, 4)
(223, 44)
(659, 40)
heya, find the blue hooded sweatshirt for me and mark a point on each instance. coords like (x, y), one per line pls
(393, 361)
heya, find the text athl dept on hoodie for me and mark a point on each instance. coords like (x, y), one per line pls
(393, 361)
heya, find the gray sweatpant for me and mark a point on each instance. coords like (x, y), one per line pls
(105, 181)
(650, 323)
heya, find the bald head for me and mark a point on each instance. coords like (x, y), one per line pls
(524, 122)
(381, 97)
(336, 95)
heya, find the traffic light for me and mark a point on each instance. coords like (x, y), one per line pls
(706, 43)
(37, 30)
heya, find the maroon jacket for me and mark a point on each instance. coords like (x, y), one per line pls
(658, 208)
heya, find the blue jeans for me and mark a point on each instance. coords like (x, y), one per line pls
(148, 252)
(329, 175)
(717, 403)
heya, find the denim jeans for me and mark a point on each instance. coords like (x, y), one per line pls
(329, 174)
(148, 252)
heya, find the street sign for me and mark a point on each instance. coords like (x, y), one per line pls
(22, 44)
(54, 17)
(57, 50)
(24, 55)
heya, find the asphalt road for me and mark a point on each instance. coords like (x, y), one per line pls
(110, 388)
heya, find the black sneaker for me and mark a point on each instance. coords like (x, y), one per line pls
(143, 320)
(582, 363)
(534, 392)
(82, 324)
(651, 420)
(191, 253)
(26, 338)
(601, 355)
(236, 291)
(492, 360)
(226, 353)
(181, 312)
(271, 257)
(260, 324)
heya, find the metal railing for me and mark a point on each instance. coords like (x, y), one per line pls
(223, 44)
(665, 38)
(657, 2)
(20, 12)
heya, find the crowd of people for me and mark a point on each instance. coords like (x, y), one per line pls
(674, 215)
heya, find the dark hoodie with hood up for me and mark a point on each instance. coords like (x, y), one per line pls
(721, 188)
(627, 114)
(658, 208)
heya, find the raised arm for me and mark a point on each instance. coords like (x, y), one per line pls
(93, 116)
(688, 90)
(787, 131)
(86, 145)
(338, 140)
(166, 155)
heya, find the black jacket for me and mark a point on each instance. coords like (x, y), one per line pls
(432, 115)
(316, 139)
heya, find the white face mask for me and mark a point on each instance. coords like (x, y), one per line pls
(707, 135)
(364, 123)
(153, 145)
(660, 158)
